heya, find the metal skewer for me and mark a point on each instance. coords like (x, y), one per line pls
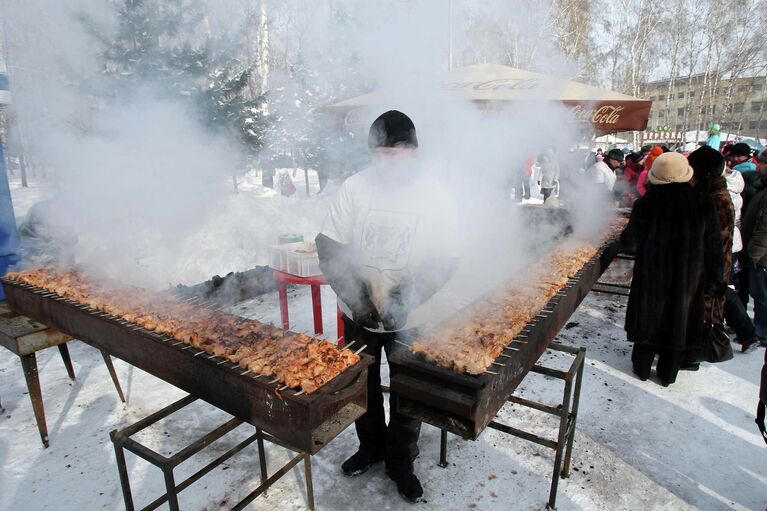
(402, 343)
(300, 392)
(491, 372)
(274, 381)
(361, 349)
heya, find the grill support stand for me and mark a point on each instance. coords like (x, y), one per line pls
(567, 413)
(122, 440)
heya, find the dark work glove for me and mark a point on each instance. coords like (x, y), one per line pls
(394, 316)
(367, 317)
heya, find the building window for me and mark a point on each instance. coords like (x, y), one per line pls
(743, 88)
(679, 127)
(763, 125)
(691, 94)
(737, 108)
(652, 98)
(752, 125)
(661, 114)
(756, 106)
(680, 95)
(680, 112)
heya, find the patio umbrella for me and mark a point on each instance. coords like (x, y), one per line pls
(493, 84)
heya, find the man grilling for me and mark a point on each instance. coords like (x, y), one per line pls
(386, 247)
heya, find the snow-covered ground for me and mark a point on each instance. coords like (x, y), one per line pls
(638, 445)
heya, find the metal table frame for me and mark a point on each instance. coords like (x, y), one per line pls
(25, 337)
(567, 413)
(122, 440)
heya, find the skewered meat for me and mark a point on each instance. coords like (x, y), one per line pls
(478, 335)
(295, 359)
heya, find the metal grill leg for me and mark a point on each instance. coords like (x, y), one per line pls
(170, 486)
(122, 469)
(443, 448)
(64, 350)
(113, 374)
(262, 455)
(29, 365)
(309, 483)
(561, 440)
(573, 416)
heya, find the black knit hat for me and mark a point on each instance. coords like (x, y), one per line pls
(740, 149)
(706, 162)
(392, 129)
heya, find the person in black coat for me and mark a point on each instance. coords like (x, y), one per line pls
(674, 232)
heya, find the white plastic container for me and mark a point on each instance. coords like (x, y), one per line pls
(298, 259)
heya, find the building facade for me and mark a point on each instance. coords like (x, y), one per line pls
(739, 106)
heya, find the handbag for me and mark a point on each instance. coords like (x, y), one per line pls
(716, 343)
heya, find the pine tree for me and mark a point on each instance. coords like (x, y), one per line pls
(164, 46)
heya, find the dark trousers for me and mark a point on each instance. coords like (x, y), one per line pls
(546, 193)
(742, 280)
(735, 316)
(757, 282)
(669, 361)
(396, 443)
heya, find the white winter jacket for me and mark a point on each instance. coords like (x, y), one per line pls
(735, 185)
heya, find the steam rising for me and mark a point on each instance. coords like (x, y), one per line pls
(147, 188)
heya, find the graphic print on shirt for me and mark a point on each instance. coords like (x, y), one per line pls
(387, 237)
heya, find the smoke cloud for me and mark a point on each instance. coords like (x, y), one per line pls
(148, 189)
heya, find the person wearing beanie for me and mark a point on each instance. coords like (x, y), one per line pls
(754, 232)
(674, 233)
(739, 158)
(385, 248)
(603, 172)
(648, 161)
(708, 167)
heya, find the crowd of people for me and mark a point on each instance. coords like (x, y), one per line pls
(698, 228)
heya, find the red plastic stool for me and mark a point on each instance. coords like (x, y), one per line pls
(283, 279)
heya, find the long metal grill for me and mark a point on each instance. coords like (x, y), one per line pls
(464, 404)
(305, 421)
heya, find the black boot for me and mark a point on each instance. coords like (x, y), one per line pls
(359, 463)
(408, 485)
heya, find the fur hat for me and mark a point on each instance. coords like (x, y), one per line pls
(670, 168)
(706, 162)
(392, 129)
(740, 149)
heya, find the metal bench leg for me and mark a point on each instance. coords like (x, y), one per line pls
(64, 350)
(29, 364)
(113, 374)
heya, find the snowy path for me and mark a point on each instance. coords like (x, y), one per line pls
(692, 445)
